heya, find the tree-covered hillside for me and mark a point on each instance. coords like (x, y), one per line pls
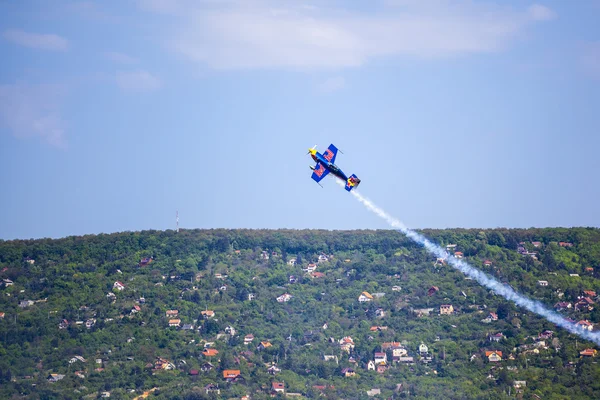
(342, 314)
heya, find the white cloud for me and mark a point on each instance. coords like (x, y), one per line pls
(139, 80)
(33, 111)
(541, 13)
(333, 84)
(269, 34)
(37, 41)
(120, 57)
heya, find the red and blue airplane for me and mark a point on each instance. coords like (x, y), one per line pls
(325, 165)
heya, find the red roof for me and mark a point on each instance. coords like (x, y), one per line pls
(278, 385)
(210, 352)
(231, 373)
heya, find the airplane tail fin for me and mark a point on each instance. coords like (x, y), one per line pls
(352, 182)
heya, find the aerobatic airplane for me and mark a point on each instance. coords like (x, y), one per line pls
(325, 165)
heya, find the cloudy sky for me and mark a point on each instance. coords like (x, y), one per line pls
(116, 114)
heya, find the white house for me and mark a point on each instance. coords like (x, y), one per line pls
(284, 298)
(364, 297)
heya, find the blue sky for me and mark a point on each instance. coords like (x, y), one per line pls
(114, 115)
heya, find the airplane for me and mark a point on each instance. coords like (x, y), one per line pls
(325, 165)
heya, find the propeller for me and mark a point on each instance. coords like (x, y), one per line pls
(312, 148)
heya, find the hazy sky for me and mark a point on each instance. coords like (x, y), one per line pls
(115, 114)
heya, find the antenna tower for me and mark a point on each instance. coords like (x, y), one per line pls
(177, 219)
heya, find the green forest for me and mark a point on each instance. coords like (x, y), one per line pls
(257, 314)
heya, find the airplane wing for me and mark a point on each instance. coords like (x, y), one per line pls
(330, 153)
(319, 172)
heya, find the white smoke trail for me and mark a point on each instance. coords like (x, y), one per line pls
(481, 277)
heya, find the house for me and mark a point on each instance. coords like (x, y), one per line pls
(172, 313)
(494, 355)
(220, 276)
(26, 303)
(212, 388)
(346, 344)
(380, 357)
(446, 309)
(573, 275)
(64, 324)
(378, 328)
(118, 285)
(263, 345)
(585, 325)
(55, 377)
(251, 296)
(381, 368)
(406, 360)
(187, 327)
(451, 247)
(284, 298)
(496, 337)
(348, 372)
(584, 304)
(458, 254)
(291, 262)
(565, 244)
(310, 267)
(487, 263)
(398, 352)
(542, 283)
(293, 279)
(210, 352)
(145, 261)
(174, 322)
(440, 261)
(536, 244)
(264, 255)
(322, 258)
(493, 316)
(90, 323)
(373, 392)
(589, 293)
(111, 296)
(519, 384)
(194, 372)
(136, 309)
(77, 358)
(432, 290)
(389, 345)
(380, 312)
(589, 269)
(423, 349)
(207, 314)
(207, 367)
(562, 305)
(396, 288)
(30, 261)
(278, 387)
(588, 353)
(230, 330)
(248, 338)
(230, 374)
(364, 297)
(421, 312)
(7, 282)
(546, 335)
(317, 274)
(273, 369)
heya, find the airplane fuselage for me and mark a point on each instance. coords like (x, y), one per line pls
(334, 169)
